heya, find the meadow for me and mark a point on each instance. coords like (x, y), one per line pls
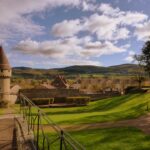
(111, 109)
(106, 110)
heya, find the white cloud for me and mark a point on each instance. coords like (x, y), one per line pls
(98, 49)
(133, 18)
(86, 6)
(130, 57)
(66, 28)
(46, 48)
(143, 31)
(107, 9)
(106, 28)
(68, 47)
(112, 24)
(15, 20)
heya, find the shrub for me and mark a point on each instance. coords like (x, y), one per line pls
(43, 101)
(3, 104)
(78, 100)
(132, 89)
(60, 100)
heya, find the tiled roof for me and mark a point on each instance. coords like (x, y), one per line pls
(4, 63)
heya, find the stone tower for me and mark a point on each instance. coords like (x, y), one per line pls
(5, 75)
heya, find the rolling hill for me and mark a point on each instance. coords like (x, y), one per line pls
(25, 72)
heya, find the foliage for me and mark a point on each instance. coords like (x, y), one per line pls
(140, 76)
(3, 104)
(43, 101)
(78, 100)
(146, 56)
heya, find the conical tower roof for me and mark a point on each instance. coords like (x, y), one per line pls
(4, 63)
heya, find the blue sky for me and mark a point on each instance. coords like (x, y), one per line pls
(59, 33)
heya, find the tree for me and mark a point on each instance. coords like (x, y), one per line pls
(146, 56)
(140, 75)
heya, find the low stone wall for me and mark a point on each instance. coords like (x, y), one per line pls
(60, 95)
(49, 93)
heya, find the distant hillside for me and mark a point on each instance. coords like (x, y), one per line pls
(123, 69)
(25, 72)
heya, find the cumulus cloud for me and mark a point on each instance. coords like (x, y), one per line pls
(98, 49)
(67, 28)
(86, 6)
(107, 9)
(112, 24)
(130, 57)
(15, 16)
(106, 28)
(143, 31)
(47, 48)
(68, 47)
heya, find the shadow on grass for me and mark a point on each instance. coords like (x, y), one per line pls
(113, 139)
(131, 113)
(102, 105)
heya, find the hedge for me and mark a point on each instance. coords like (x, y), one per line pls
(78, 100)
(43, 101)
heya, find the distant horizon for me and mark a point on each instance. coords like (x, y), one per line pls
(73, 66)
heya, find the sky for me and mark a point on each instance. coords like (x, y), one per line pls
(60, 33)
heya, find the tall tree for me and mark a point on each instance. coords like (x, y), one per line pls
(146, 56)
(140, 73)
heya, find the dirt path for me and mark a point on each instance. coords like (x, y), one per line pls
(7, 130)
(142, 123)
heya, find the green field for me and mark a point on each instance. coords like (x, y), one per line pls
(112, 109)
(113, 139)
(117, 108)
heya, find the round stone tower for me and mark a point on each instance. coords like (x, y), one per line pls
(5, 75)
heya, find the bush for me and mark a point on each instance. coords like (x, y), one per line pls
(43, 101)
(78, 100)
(60, 100)
(132, 89)
(3, 104)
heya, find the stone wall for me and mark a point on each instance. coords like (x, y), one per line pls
(49, 93)
(58, 94)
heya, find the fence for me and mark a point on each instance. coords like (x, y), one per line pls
(47, 134)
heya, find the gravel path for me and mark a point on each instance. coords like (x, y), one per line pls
(7, 131)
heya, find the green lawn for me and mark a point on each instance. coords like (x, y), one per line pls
(113, 139)
(116, 108)
(127, 138)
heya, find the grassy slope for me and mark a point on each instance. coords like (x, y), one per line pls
(127, 138)
(113, 139)
(117, 108)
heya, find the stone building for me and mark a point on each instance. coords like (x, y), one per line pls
(5, 75)
(60, 82)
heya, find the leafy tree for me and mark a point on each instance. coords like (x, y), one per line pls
(140, 74)
(146, 56)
